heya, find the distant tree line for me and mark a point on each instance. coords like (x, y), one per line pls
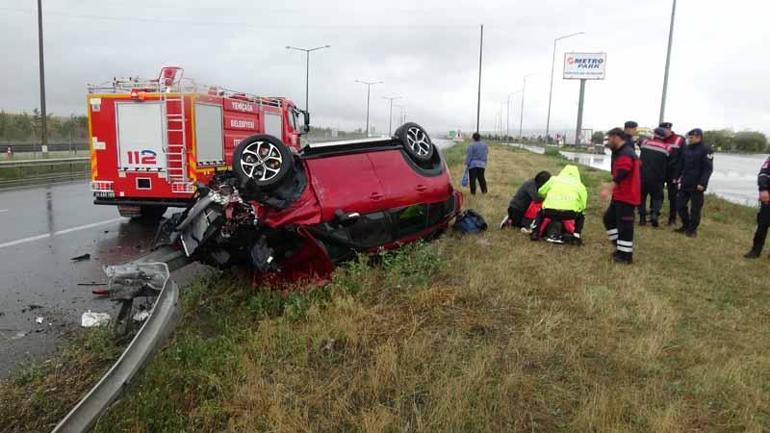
(26, 128)
(726, 140)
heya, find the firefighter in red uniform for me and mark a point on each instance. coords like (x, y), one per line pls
(763, 217)
(675, 142)
(626, 194)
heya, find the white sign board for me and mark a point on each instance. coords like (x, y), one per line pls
(584, 66)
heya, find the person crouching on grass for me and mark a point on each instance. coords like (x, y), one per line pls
(525, 203)
(625, 190)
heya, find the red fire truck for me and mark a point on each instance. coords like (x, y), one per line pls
(152, 140)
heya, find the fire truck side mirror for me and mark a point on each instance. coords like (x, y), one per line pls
(306, 125)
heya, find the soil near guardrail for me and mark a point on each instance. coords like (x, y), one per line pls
(42, 171)
(474, 333)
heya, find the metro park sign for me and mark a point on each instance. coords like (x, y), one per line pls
(584, 66)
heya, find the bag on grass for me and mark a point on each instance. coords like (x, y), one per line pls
(464, 179)
(469, 221)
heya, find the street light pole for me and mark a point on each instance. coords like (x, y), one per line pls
(521, 118)
(508, 114)
(390, 99)
(550, 89)
(478, 98)
(307, 52)
(668, 61)
(43, 111)
(368, 85)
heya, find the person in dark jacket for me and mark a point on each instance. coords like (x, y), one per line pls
(696, 162)
(524, 197)
(626, 196)
(476, 162)
(763, 216)
(655, 157)
(676, 142)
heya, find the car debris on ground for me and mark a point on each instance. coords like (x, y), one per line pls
(91, 319)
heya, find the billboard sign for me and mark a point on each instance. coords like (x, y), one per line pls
(584, 66)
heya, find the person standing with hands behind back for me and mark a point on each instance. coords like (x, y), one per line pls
(626, 196)
(476, 162)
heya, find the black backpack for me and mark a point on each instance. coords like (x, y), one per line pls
(469, 221)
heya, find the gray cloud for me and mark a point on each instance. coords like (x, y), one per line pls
(425, 51)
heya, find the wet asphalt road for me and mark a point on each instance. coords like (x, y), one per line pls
(41, 229)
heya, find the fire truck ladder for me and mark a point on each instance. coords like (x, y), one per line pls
(176, 155)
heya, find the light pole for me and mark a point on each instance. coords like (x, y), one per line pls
(508, 114)
(403, 112)
(668, 61)
(550, 89)
(43, 113)
(368, 85)
(521, 117)
(390, 99)
(307, 68)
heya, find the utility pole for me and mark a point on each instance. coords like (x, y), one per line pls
(307, 69)
(668, 62)
(478, 98)
(390, 99)
(550, 89)
(368, 85)
(43, 111)
(521, 117)
(403, 112)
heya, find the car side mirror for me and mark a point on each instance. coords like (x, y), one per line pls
(306, 125)
(346, 220)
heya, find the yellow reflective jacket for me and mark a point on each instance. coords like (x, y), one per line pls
(565, 191)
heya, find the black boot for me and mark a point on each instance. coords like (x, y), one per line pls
(622, 258)
(654, 223)
(753, 254)
(671, 221)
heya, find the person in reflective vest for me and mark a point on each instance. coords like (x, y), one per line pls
(656, 158)
(565, 200)
(763, 216)
(676, 142)
(626, 196)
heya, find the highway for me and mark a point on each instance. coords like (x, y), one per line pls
(41, 229)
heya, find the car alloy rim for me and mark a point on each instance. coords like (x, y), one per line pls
(418, 141)
(261, 160)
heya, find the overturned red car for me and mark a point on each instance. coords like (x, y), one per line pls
(295, 213)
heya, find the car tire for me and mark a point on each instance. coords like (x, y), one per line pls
(416, 142)
(262, 161)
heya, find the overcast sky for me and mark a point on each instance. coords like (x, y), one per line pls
(424, 51)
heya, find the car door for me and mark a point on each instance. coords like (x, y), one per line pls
(347, 183)
(403, 184)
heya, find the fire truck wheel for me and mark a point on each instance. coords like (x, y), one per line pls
(416, 141)
(262, 160)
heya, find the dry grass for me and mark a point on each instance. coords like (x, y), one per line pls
(488, 333)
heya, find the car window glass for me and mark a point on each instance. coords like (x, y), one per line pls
(411, 219)
(371, 230)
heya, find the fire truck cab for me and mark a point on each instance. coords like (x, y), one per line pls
(152, 140)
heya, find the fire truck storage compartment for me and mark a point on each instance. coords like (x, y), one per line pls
(141, 136)
(274, 124)
(208, 134)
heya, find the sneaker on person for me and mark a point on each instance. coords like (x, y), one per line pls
(526, 230)
(506, 222)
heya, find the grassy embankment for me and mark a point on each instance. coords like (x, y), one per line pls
(479, 333)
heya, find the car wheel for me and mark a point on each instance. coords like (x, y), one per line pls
(262, 160)
(416, 142)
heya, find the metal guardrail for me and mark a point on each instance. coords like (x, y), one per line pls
(45, 161)
(165, 314)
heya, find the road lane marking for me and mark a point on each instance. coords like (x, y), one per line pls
(57, 233)
(3, 210)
